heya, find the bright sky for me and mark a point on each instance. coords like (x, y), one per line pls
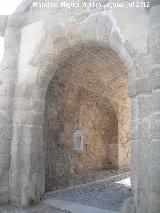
(7, 7)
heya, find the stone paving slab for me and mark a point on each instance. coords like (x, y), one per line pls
(74, 207)
(108, 193)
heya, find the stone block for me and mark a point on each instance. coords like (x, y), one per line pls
(155, 77)
(4, 196)
(5, 145)
(34, 105)
(6, 131)
(128, 206)
(134, 129)
(29, 91)
(37, 161)
(3, 24)
(132, 51)
(15, 20)
(132, 88)
(144, 105)
(143, 85)
(155, 70)
(6, 103)
(154, 202)
(154, 36)
(143, 63)
(88, 29)
(154, 152)
(24, 90)
(72, 32)
(39, 93)
(155, 126)
(143, 159)
(104, 28)
(9, 75)
(154, 42)
(33, 189)
(43, 80)
(4, 177)
(116, 41)
(154, 4)
(7, 89)
(154, 14)
(28, 133)
(154, 177)
(5, 118)
(28, 118)
(5, 160)
(11, 42)
(10, 61)
(134, 163)
(142, 200)
(128, 61)
(155, 101)
(155, 82)
(144, 127)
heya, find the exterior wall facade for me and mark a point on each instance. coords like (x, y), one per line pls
(38, 42)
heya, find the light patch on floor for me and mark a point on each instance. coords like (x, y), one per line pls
(125, 182)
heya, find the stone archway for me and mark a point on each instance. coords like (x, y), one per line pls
(27, 182)
(26, 75)
(90, 94)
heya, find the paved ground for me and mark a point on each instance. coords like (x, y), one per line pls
(108, 193)
(103, 196)
(74, 207)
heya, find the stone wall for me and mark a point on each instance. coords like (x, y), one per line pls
(43, 40)
(106, 132)
(124, 135)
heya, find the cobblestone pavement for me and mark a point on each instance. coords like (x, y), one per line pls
(108, 193)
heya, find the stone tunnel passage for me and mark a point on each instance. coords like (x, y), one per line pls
(88, 95)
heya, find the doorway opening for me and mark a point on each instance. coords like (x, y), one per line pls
(87, 120)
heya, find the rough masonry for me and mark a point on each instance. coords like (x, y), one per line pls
(109, 53)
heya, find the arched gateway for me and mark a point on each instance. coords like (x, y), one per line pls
(89, 93)
(58, 62)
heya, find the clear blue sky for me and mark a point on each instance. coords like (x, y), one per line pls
(7, 7)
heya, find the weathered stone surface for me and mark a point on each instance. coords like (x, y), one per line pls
(101, 50)
(129, 206)
(3, 23)
(104, 29)
(106, 131)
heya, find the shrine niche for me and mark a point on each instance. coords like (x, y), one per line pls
(78, 141)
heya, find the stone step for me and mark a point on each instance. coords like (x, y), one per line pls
(74, 207)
